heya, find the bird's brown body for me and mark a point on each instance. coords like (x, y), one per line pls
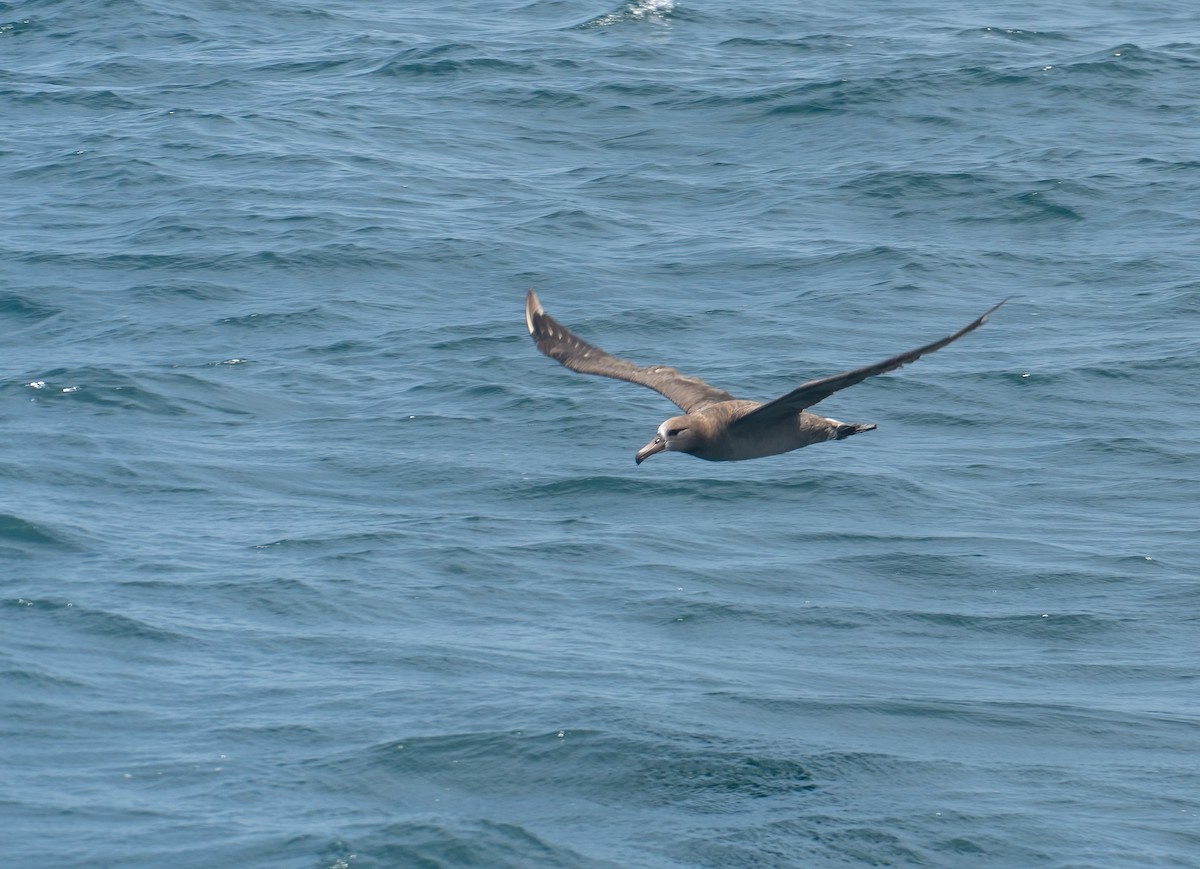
(711, 433)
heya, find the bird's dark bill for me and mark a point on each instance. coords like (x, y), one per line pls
(655, 446)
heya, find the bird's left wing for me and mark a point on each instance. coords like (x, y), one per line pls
(558, 342)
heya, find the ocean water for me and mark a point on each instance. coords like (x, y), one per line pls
(311, 560)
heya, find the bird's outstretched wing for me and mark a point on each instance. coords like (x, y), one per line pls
(558, 342)
(808, 394)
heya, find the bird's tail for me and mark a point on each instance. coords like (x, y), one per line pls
(851, 428)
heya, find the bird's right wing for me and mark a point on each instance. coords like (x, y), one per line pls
(807, 394)
(558, 342)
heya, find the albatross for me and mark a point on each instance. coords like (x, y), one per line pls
(715, 425)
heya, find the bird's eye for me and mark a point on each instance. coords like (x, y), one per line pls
(673, 432)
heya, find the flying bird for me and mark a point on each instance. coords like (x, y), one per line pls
(716, 426)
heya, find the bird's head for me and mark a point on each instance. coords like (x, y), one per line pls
(678, 434)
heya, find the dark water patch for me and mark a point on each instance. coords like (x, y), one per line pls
(450, 60)
(599, 485)
(934, 420)
(18, 28)
(813, 44)
(362, 559)
(1092, 724)
(1052, 627)
(333, 65)
(22, 309)
(1036, 205)
(1164, 363)
(285, 259)
(992, 202)
(100, 623)
(550, 98)
(354, 541)
(718, 490)
(157, 392)
(1169, 168)
(18, 532)
(904, 185)
(251, 734)
(1023, 37)
(94, 99)
(440, 841)
(1152, 449)
(559, 551)
(102, 389)
(827, 841)
(817, 98)
(305, 318)
(841, 765)
(281, 601)
(1129, 60)
(920, 565)
(845, 95)
(489, 344)
(674, 769)
(37, 681)
(185, 290)
(722, 613)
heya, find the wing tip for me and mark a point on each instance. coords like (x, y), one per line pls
(993, 309)
(532, 308)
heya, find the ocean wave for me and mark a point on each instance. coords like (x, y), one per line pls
(16, 531)
(652, 11)
(102, 389)
(23, 309)
(435, 839)
(653, 771)
(98, 622)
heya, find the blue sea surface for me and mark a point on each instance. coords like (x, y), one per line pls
(311, 560)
